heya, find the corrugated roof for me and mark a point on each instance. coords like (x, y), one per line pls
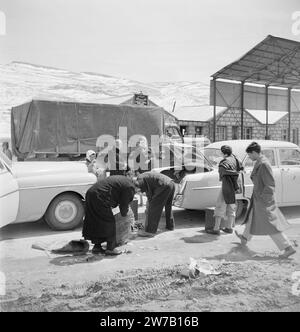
(202, 113)
(261, 116)
(274, 61)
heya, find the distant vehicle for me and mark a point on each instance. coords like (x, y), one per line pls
(44, 129)
(200, 190)
(32, 190)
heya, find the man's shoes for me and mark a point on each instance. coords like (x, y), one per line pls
(213, 232)
(114, 252)
(227, 230)
(170, 228)
(242, 238)
(288, 252)
(145, 234)
(97, 249)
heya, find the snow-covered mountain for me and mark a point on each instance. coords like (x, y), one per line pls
(20, 82)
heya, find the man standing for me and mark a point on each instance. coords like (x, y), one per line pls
(160, 192)
(229, 169)
(99, 223)
(263, 216)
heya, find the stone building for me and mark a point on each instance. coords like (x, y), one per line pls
(198, 121)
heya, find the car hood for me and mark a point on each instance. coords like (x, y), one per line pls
(40, 168)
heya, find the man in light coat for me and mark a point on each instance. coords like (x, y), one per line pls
(263, 216)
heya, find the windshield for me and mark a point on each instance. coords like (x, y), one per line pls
(181, 154)
(214, 156)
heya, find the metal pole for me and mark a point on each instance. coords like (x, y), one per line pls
(242, 109)
(290, 112)
(267, 111)
(215, 110)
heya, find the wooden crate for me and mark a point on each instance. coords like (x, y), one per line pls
(123, 227)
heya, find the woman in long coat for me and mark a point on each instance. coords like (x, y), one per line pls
(99, 223)
(263, 216)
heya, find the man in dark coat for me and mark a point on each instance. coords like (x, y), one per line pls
(99, 223)
(225, 209)
(160, 191)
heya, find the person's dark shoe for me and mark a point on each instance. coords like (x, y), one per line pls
(170, 228)
(97, 249)
(287, 253)
(213, 232)
(114, 252)
(242, 238)
(227, 230)
(145, 234)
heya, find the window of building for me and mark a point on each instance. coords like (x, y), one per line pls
(221, 134)
(235, 132)
(284, 134)
(199, 131)
(248, 132)
(296, 136)
(183, 130)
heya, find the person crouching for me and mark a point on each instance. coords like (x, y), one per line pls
(160, 191)
(99, 223)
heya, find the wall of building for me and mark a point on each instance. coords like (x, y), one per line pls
(231, 118)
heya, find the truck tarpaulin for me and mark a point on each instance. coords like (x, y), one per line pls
(73, 128)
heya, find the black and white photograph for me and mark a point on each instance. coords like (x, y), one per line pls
(150, 158)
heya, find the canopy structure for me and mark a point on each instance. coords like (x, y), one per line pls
(274, 62)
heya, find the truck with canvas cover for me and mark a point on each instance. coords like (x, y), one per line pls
(44, 129)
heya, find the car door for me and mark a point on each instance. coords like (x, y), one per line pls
(9, 196)
(270, 154)
(289, 161)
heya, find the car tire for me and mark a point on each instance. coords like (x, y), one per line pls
(65, 212)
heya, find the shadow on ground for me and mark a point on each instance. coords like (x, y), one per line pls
(241, 253)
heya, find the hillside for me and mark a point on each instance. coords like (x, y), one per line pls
(20, 82)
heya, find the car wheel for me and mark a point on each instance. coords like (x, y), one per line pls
(65, 212)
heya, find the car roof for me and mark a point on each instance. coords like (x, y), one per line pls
(239, 146)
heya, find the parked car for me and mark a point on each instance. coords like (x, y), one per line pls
(199, 191)
(53, 190)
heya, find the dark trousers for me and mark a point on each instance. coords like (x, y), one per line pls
(163, 198)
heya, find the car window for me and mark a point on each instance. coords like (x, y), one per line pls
(289, 157)
(213, 155)
(268, 153)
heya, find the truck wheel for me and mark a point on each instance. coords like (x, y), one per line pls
(65, 212)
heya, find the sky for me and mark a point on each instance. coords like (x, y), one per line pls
(144, 40)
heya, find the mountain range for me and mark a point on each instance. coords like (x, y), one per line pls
(21, 82)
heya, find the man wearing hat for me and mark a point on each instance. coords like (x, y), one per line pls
(229, 169)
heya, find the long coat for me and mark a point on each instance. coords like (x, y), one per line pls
(99, 222)
(263, 213)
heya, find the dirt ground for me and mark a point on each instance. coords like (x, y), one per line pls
(147, 277)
